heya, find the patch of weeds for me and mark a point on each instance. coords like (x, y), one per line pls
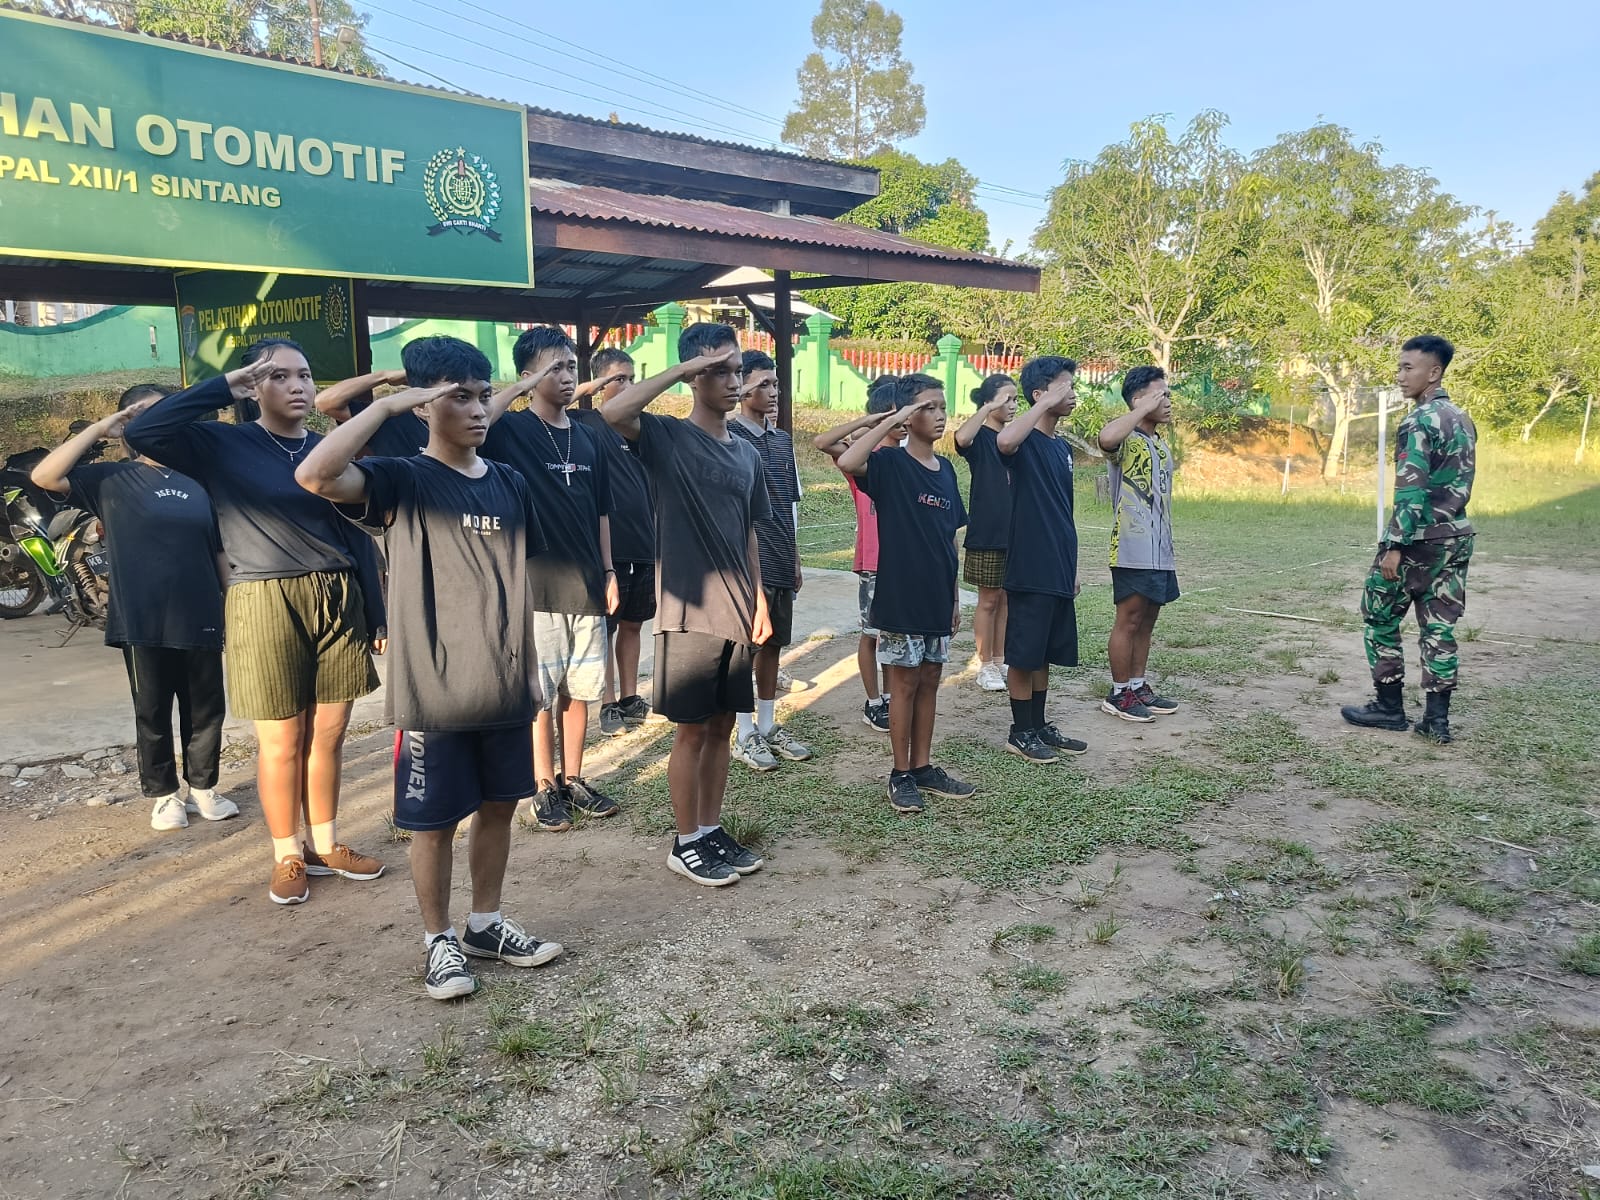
(1021, 935)
(1335, 929)
(1103, 930)
(1092, 891)
(1289, 968)
(332, 1091)
(392, 832)
(1470, 948)
(1583, 956)
(1411, 914)
(827, 1031)
(1328, 677)
(444, 1053)
(1300, 1136)
(531, 1039)
(1041, 981)
(618, 1088)
(1482, 899)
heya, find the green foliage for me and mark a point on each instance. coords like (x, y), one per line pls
(861, 101)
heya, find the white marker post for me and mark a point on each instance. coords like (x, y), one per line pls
(1383, 443)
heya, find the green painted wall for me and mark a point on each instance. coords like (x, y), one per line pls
(115, 340)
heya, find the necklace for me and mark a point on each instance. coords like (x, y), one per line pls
(567, 467)
(278, 442)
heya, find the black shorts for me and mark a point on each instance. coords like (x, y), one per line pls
(780, 607)
(1041, 631)
(636, 593)
(1158, 587)
(698, 676)
(443, 778)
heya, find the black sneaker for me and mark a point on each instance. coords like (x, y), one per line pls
(447, 976)
(940, 782)
(742, 859)
(635, 709)
(875, 715)
(510, 943)
(1060, 742)
(904, 795)
(590, 801)
(1156, 703)
(611, 722)
(700, 863)
(1028, 744)
(551, 812)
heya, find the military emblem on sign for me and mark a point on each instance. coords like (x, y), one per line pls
(188, 331)
(335, 313)
(463, 193)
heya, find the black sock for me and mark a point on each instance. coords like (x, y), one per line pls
(922, 771)
(1022, 716)
(1038, 709)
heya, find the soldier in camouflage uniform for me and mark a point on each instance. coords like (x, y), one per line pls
(1425, 550)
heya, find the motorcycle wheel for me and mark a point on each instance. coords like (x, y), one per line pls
(21, 587)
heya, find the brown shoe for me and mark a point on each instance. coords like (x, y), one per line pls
(342, 860)
(289, 885)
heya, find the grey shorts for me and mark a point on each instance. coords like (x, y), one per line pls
(572, 655)
(911, 649)
(867, 585)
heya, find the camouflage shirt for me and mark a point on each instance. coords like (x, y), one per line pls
(1435, 453)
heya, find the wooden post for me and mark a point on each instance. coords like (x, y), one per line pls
(585, 354)
(359, 326)
(782, 334)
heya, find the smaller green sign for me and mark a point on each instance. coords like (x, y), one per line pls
(220, 313)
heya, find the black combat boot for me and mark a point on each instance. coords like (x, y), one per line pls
(1387, 711)
(1435, 723)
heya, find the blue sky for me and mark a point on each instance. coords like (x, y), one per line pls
(1497, 102)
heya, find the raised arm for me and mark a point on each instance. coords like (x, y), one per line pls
(502, 400)
(969, 427)
(1014, 434)
(335, 401)
(623, 410)
(51, 473)
(166, 430)
(854, 460)
(1114, 433)
(833, 442)
(329, 470)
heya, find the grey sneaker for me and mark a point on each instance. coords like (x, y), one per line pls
(939, 782)
(1056, 740)
(205, 802)
(590, 800)
(742, 859)
(752, 751)
(611, 722)
(780, 742)
(904, 796)
(635, 710)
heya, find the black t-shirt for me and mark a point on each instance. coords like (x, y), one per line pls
(709, 494)
(633, 527)
(1041, 496)
(989, 527)
(162, 543)
(401, 436)
(919, 512)
(775, 533)
(460, 629)
(571, 485)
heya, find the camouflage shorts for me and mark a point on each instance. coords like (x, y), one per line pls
(1433, 576)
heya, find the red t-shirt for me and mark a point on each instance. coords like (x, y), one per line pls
(866, 528)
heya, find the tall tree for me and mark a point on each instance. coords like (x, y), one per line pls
(931, 202)
(1148, 241)
(1354, 256)
(862, 101)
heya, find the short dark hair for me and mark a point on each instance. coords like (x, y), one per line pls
(1137, 379)
(609, 357)
(533, 342)
(434, 360)
(139, 391)
(1429, 343)
(908, 387)
(758, 360)
(989, 388)
(1040, 373)
(880, 394)
(703, 337)
(266, 346)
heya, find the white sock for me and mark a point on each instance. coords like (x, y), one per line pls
(478, 922)
(1135, 684)
(766, 717)
(747, 725)
(705, 829)
(428, 938)
(1118, 687)
(288, 847)
(686, 839)
(323, 837)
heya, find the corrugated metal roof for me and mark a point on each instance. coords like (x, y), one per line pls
(586, 202)
(679, 135)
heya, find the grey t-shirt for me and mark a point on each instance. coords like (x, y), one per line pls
(709, 494)
(460, 634)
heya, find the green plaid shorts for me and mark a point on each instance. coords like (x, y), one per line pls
(295, 642)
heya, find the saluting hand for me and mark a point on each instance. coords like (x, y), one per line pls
(243, 381)
(112, 426)
(706, 362)
(411, 398)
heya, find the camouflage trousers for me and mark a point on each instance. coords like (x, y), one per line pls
(1433, 576)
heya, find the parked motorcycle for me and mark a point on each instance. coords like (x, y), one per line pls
(52, 549)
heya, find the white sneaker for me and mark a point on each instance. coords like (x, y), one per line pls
(992, 677)
(752, 751)
(169, 814)
(205, 802)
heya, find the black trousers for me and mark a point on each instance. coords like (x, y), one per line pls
(157, 676)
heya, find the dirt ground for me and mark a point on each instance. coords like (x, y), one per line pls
(171, 1033)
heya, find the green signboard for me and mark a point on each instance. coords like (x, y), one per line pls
(222, 312)
(121, 148)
